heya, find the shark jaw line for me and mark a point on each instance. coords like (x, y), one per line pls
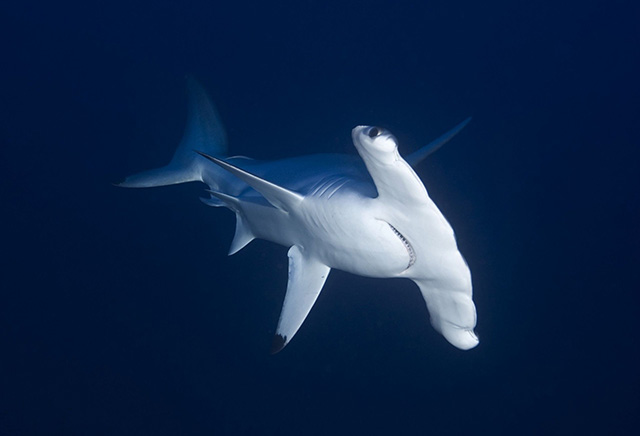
(410, 251)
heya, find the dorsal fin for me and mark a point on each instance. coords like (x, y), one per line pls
(278, 196)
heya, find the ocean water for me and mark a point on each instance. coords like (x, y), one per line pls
(120, 312)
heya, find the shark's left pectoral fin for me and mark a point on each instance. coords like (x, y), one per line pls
(279, 197)
(306, 278)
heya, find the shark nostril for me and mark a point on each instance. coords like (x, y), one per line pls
(373, 132)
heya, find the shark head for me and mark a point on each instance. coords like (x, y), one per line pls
(436, 266)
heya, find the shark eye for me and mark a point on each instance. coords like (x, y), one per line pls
(373, 132)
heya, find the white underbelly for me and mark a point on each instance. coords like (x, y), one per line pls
(368, 247)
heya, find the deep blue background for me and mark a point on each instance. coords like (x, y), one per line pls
(121, 314)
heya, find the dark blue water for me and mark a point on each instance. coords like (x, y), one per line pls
(120, 312)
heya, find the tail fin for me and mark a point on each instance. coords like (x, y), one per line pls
(204, 132)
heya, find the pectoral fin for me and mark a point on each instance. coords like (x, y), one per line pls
(278, 196)
(306, 278)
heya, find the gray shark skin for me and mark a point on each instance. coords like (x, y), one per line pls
(369, 215)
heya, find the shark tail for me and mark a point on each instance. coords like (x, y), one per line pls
(204, 132)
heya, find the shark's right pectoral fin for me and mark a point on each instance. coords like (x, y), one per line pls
(306, 278)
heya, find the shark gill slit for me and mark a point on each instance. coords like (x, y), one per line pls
(407, 245)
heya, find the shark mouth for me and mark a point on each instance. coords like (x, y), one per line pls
(407, 245)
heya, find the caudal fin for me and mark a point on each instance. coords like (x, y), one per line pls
(204, 132)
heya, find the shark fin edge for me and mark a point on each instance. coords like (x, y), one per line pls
(203, 131)
(306, 279)
(242, 237)
(279, 197)
(279, 342)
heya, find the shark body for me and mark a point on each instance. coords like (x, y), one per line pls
(370, 216)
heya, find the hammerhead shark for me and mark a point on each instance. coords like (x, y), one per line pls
(370, 216)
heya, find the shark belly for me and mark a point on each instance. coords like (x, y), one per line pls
(345, 233)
